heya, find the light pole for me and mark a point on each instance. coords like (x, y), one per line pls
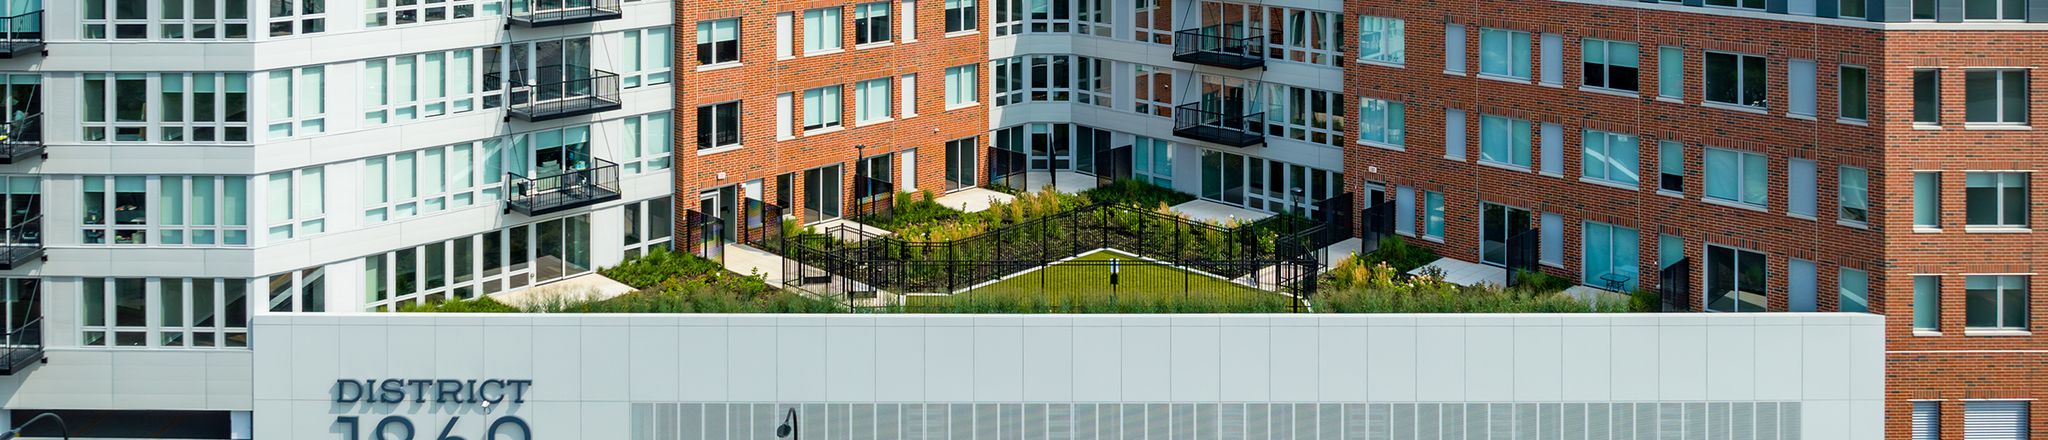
(788, 429)
(65, 430)
(860, 161)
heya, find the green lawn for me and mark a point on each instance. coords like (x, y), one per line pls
(1082, 285)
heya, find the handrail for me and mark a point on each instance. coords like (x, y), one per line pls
(1192, 115)
(1191, 41)
(600, 179)
(577, 88)
(26, 338)
(536, 12)
(28, 231)
(23, 28)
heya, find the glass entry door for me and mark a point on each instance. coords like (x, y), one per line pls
(1051, 147)
(962, 160)
(721, 206)
(1496, 224)
(564, 248)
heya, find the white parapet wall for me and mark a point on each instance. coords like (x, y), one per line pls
(1029, 377)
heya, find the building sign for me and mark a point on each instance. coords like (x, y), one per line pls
(446, 395)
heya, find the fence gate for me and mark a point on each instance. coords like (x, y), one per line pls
(1111, 163)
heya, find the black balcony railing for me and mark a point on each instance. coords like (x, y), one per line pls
(558, 91)
(22, 243)
(21, 140)
(1235, 129)
(21, 34)
(568, 189)
(544, 13)
(1203, 46)
(24, 346)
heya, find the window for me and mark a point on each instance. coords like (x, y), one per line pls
(296, 203)
(1854, 194)
(1670, 250)
(295, 291)
(1042, 78)
(647, 142)
(1297, 113)
(1743, 4)
(1995, 97)
(1381, 39)
(1155, 90)
(1304, 36)
(963, 85)
(1610, 157)
(654, 214)
(718, 125)
(290, 16)
(1736, 176)
(909, 95)
(1496, 224)
(1504, 140)
(1551, 248)
(433, 84)
(1550, 50)
(1852, 9)
(436, 179)
(1609, 64)
(1926, 303)
(1924, 10)
(1801, 179)
(1154, 21)
(1802, 285)
(1735, 79)
(211, 107)
(1735, 280)
(1927, 97)
(1995, 301)
(870, 23)
(1995, 419)
(1671, 166)
(1611, 253)
(1056, 16)
(1927, 200)
(194, 312)
(1800, 87)
(1853, 290)
(1854, 96)
(962, 16)
(175, 19)
(821, 108)
(1504, 53)
(870, 101)
(1381, 122)
(718, 41)
(1454, 134)
(1995, 199)
(190, 210)
(1433, 214)
(1404, 210)
(401, 13)
(1550, 136)
(1154, 161)
(465, 267)
(1454, 48)
(1671, 72)
(1994, 10)
(297, 102)
(821, 30)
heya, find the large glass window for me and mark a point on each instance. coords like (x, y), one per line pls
(1671, 166)
(870, 101)
(1670, 72)
(403, 13)
(1736, 176)
(718, 125)
(649, 53)
(211, 107)
(1154, 90)
(821, 30)
(1498, 223)
(1926, 303)
(1854, 94)
(434, 84)
(1743, 4)
(1381, 122)
(164, 312)
(1853, 290)
(1611, 253)
(1994, 10)
(1504, 140)
(962, 15)
(1736, 79)
(647, 143)
(1504, 53)
(1996, 301)
(1298, 113)
(1927, 200)
(1995, 97)
(1609, 64)
(182, 19)
(297, 202)
(1382, 39)
(1304, 36)
(1995, 199)
(190, 210)
(297, 101)
(822, 107)
(1927, 97)
(1433, 214)
(1610, 157)
(718, 41)
(1854, 195)
(1735, 280)
(870, 23)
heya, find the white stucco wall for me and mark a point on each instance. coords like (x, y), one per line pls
(588, 372)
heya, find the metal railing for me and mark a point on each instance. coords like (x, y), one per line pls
(1204, 46)
(24, 346)
(540, 13)
(23, 138)
(1235, 129)
(558, 91)
(596, 183)
(21, 33)
(21, 243)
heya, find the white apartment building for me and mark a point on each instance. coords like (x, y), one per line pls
(176, 166)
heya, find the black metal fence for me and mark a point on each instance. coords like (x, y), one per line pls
(24, 345)
(871, 269)
(1237, 129)
(1674, 285)
(704, 235)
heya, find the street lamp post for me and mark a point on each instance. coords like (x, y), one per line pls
(63, 429)
(788, 429)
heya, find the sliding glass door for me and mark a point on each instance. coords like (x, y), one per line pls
(822, 196)
(1496, 224)
(1735, 280)
(962, 163)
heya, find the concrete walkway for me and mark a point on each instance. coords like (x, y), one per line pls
(1593, 296)
(745, 260)
(585, 287)
(1467, 273)
(850, 230)
(1212, 212)
(973, 199)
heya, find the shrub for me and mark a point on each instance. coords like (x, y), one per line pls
(660, 265)
(1540, 281)
(478, 305)
(1136, 193)
(1645, 301)
(1357, 288)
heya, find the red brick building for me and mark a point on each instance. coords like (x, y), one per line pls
(1769, 156)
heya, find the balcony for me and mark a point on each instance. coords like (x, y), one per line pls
(545, 13)
(24, 347)
(559, 91)
(1233, 129)
(1200, 46)
(21, 34)
(21, 140)
(597, 181)
(22, 243)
